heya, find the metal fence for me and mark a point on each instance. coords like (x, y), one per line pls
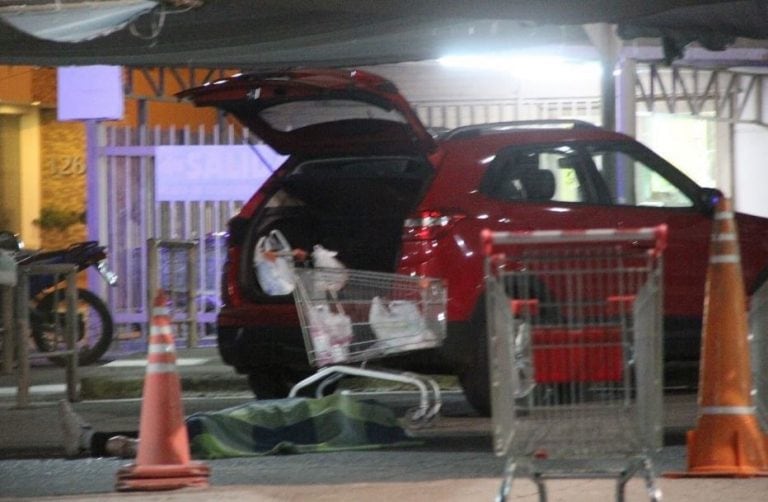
(173, 268)
(450, 114)
(135, 216)
(17, 328)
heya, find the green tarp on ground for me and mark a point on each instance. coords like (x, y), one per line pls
(298, 425)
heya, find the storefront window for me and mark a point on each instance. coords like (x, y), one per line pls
(686, 142)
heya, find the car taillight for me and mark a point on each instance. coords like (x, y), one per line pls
(428, 225)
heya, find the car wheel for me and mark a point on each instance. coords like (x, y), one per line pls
(475, 379)
(476, 386)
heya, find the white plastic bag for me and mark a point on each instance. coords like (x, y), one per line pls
(331, 334)
(274, 264)
(398, 323)
(335, 278)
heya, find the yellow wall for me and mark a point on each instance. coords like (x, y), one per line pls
(10, 190)
(16, 84)
(20, 170)
(42, 160)
(62, 177)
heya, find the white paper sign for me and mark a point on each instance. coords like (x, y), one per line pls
(90, 92)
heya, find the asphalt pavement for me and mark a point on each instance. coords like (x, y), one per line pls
(30, 441)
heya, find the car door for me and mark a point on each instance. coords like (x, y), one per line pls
(644, 190)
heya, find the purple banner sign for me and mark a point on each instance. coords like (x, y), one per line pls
(212, 172)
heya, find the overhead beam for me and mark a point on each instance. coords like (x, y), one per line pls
(715, 94)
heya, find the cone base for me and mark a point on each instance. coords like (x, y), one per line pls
(162, 477)
(726, 446)
(715, 472)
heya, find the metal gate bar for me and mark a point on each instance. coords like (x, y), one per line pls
(181, 256)
(6, 314)
(23, 329)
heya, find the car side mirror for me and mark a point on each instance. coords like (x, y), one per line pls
(709, 197)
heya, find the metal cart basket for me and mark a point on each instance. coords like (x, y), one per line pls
(574, 338)
(349, 317)
(758, 322)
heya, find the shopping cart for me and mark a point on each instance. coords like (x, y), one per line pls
(758, 324)
(574, 334)
(350, 317)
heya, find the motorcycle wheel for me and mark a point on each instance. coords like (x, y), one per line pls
(95, 327)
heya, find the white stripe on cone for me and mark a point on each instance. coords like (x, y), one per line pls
(161, 348)
(725, 258)
(161, 368)
(728, 410)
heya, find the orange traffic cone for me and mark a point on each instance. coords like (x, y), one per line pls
(163, 459)
(727, 440)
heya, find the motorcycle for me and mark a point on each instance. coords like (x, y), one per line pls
(48, 306)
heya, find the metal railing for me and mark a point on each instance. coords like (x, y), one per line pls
(19, 317)
(172, 266)
(6, 315)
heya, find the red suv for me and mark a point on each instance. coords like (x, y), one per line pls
(363, 176)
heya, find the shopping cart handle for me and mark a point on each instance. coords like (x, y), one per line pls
(657, 235)
(520, 307)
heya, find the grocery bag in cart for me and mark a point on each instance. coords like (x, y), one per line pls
(574, 338)
(350, 318)
(399, 323)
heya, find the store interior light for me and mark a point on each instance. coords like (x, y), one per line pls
(541, 67)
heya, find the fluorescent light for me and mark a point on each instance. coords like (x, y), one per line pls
(527, 66)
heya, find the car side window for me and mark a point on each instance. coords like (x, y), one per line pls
(535, 175)
(633, 182)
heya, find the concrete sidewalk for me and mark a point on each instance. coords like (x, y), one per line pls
(461, 490)
(34, 433)
(201, 371)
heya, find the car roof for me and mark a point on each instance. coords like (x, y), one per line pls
(534, 131)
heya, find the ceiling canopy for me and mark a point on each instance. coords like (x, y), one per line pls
(268, 34)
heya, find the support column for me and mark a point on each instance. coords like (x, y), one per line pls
(626, 101)
(608, 46)
(96, 196)
(724, 173)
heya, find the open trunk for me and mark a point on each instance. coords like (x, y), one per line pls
(355, 206)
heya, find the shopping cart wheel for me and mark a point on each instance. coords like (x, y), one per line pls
(419, 417)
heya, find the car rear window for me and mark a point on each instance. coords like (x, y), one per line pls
(294, 115)
(362, 185)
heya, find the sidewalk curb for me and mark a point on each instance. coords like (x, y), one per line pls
(129, 387)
